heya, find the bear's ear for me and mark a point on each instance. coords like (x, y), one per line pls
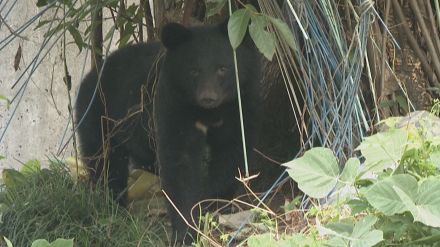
(174, 34)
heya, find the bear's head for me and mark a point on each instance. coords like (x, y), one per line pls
(199, 63)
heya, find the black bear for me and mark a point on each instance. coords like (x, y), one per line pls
(195, 114)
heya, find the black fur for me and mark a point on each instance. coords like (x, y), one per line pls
(197, 126)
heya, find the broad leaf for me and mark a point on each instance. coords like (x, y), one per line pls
(40, 243)
(337, 242)
(383, 150)
(264, 40)
(351, 170)
(57, 243)
(426, 208)
(359, 235)
(426, 241)
(237, 26)
(316, 172)
(384, 198)
(285, 32)
(12, 177)
(434, 157)
(363, 226)
(371, 238)
(62, 243)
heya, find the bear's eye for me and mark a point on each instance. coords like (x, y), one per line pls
(194, 72)
(222, 70)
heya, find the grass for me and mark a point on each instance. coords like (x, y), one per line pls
(49, 204)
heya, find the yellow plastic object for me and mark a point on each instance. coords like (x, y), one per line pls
(142, 184)
(76, 171)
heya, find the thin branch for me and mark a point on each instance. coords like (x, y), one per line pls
(383, 48)
(148, 19)
(188, 10)
(12, 31)
(427, 35)
(187, 223)
(413, 44)
(435, 36)
(97, 39)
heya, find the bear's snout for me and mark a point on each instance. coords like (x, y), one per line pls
(209, 97)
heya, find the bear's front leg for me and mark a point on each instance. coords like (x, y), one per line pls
(183, 157)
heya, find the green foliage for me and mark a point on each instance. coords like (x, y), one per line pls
(238, 24)
(39, 203)
(264, 40)
(358, 235)
(435, 109)
(128, 19)
(8, 242)
(383, 150)
(214, 7)
(44, 243)
(268, 240)
(316, 172)
(74, 15)
(57, 243)
(284, 31)
(394, 196)
(8, 102)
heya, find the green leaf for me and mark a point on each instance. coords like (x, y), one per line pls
(316, 172)
(351, 170)
(57, 243)
(264, 40)
(8, 102)
(109, 34)
(30, 167)
(262, 240)
(360, 235)
(214, 7)
(62, 243)
(429, 240)
(40, 243)
(8, 242)
(131, 10)
(285, 32)
(357, 206)
(369, 239)
(42, 23)
(426, 207)
(339, 228)
(76, 37)
(337, 242)
(12, 177)
(41, 3)
(434, 157)
(363, 226)
(384, 198)
(128, 32)
(383, 150)
(237, 26)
